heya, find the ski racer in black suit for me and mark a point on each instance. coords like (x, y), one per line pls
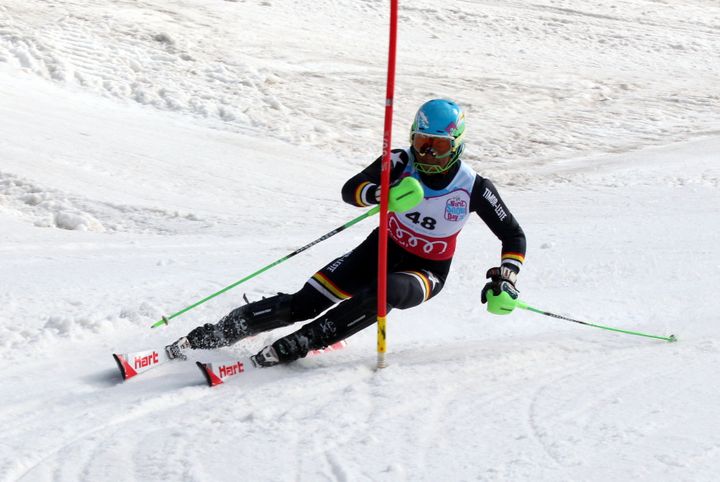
(421, 245)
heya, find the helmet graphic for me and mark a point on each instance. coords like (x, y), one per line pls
(437, 136)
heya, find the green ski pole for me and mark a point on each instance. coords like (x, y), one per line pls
(165, 319)
(525, 306)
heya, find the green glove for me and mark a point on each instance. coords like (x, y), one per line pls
(504, 302)
(404, 196)
(500, 293)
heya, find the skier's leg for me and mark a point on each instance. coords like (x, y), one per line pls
(410, 288)
(262, 315)
(358, 311)
(405, 290)
(335, 282)
(257, 317)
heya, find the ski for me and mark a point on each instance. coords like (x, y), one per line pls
(216, 373)
(132, 364)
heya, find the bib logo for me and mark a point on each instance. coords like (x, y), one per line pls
(456, 209)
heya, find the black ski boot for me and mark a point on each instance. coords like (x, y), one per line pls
(263, 315)
(344, 320)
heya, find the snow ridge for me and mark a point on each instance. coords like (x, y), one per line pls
(577, 76)
(43, 207)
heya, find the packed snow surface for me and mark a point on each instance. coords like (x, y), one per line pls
(153, 152)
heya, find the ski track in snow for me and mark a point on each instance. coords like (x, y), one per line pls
(148, 157)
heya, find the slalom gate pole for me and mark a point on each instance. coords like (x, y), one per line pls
(165, 319)
(384, 190)
(525, 306)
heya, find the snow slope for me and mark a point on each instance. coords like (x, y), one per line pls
(150, 154)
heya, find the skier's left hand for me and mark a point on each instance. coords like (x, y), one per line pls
(502, 279)
(404, 195)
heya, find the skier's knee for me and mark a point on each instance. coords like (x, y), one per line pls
(409, 289)
(308, 303)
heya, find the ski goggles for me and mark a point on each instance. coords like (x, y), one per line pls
(438, 146)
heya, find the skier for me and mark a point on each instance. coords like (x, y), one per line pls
(420, 249)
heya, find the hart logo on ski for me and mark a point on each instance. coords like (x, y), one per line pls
(216, 373)
(211, 377)
(146, 361)
(132, 364)
(230, 370)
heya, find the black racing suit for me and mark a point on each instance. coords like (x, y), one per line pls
(350, 281)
